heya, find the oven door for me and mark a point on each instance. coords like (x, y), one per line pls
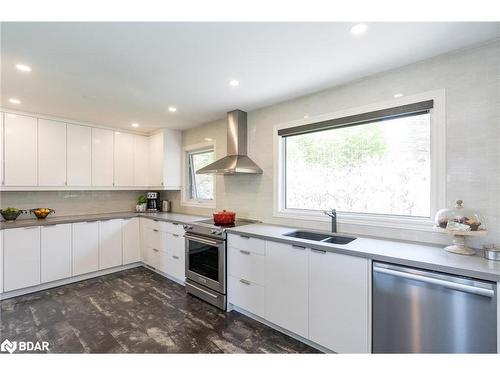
(206, 262)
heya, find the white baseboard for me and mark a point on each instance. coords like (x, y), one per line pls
(69, 280)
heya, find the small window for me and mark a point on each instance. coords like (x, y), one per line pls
(199, 188)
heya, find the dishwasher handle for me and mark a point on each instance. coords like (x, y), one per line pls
(486, 292)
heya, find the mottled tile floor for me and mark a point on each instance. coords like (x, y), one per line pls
(135, 311)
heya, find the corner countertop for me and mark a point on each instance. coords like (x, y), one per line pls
(431, 257)
(162, 216)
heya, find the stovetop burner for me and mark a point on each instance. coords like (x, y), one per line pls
(237, 223)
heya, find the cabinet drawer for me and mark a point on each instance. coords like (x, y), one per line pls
(174, 228)
(247, 295)
(155, 239)
(152, 257)
(246, 265)
(242, 242)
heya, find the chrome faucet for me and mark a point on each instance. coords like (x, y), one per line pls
(333, 214)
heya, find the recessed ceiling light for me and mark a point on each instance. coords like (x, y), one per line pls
(359, 29)
(135, 125)
(118, 133)
(398, 95)
(14, 101)
(234, 83)
(172, 109)
(23, 68)
(209, 139)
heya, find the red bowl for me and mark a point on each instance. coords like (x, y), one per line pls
(224, 217)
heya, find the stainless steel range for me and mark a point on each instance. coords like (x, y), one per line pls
(206, 260)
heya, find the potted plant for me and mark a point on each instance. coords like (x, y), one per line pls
(141, 204)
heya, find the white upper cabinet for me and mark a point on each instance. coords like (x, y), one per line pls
(286, 292)
(102, 157)
(20, 150)
(165, 150)
(79, 146)
(141, 160)
(1, 158)
(339, 302)
(124, 159)
(51, 153)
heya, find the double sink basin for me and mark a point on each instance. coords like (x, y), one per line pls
(320, 237)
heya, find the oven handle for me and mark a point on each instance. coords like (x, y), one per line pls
(203, 290)
(203, 240)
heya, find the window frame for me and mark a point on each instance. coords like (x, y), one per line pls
(437, 172)
(186, 152)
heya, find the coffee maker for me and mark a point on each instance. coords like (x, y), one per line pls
(153, 201)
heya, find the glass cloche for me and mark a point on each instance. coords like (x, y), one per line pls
(459, 218)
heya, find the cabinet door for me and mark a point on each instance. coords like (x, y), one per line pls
(156, 159)
(1, 159)
(21, 258)
(79, 143)
(141, 160)
(176, 266)
(286, 300)
(102, 157)
(85, 247)
(1, 261)
(124, 159)
(131, 240)
(20, 150)
(110, 243)
(55, 252)
(338, 302)
(51, 153)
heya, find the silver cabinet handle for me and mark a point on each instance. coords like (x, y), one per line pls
(30, 227)
(156, 250)
(155, 230)
(318, 251)
(299, 247)
(243, 281)
(175, 235)
(245, 237)
(245, 252)
(431, 280)
(175, 257)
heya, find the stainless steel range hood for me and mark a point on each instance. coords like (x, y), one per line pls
(237, 161)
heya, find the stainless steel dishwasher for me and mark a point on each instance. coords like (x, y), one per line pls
(417, 311)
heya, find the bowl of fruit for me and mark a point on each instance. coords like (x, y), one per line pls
(11, 213)
(41, 213)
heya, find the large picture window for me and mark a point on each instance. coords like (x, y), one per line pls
(379, 167)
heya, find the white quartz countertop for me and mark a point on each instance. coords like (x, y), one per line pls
(51, 220)
(418, 255)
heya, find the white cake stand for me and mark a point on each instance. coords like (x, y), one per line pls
(459, 246)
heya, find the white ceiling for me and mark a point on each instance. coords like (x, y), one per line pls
(118, 73)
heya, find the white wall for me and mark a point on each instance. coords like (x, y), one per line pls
(471, 79)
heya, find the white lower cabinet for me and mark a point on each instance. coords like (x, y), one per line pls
(85, 247)
(246, 294)
(110, 243)
(21, 258)
(338, 302)
(1, 261)
(287, 287)
(175, 266)
(55, 252)
(131, 240)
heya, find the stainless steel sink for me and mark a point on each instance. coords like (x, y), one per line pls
(307, 235)
(339, 240)
(320, 237)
